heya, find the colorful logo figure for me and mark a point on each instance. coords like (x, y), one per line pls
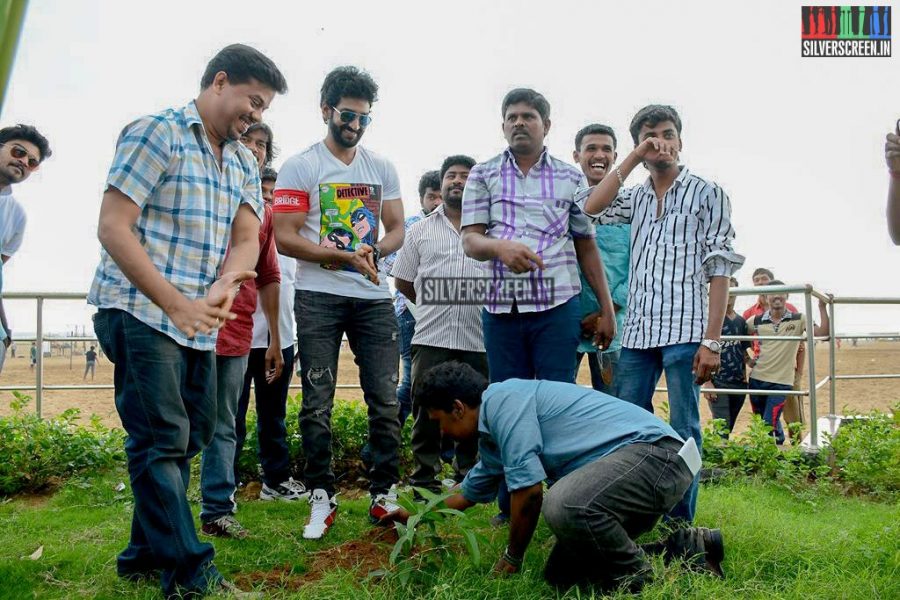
(349, 216)
(845, 31)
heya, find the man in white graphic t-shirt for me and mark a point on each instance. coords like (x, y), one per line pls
(330, 201)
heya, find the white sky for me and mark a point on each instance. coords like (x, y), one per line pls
(796, 143)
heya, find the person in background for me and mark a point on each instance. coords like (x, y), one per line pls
(90, 360)
(595, 153)
(732, 373)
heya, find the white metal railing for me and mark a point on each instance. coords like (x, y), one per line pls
(814, 440)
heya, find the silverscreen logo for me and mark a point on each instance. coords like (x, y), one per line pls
(845, 31)
(486, 290)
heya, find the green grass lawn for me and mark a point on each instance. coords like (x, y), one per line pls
(778, 545)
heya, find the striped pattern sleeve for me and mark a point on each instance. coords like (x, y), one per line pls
(142, 157)
(620, 211)
(476, 202)
(406, 264)
(719, 258)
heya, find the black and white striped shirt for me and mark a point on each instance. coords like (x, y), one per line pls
(432, 251)
(672, 257)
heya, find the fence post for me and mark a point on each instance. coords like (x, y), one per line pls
(831, 359)
(39, 367)
(811, 353)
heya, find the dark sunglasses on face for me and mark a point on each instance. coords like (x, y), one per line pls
(348, 116)
(18, 152)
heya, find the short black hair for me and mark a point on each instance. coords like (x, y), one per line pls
(348, 82)
(457, 159)
(450, 381)
(242, 63)
(775, 282)
(430, 179)
(268, 174)
(271, 148)
(764, 271)
(29, 134)
(529, 97)
(651, 116)
(595, 129)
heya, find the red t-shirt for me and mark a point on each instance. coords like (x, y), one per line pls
(756, 310)
(235, 336)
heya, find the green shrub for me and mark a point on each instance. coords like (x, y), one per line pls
(867, 454)
(754, 453)
(37, 452)
(349, 434)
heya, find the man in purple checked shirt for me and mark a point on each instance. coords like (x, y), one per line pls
(519, 216)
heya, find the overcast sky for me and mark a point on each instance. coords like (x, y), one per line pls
(796, 143)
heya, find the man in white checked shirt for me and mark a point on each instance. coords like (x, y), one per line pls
(446, 330)
(681, 240)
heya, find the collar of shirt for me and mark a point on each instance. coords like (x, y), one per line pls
(193, 120)
(6, 191)
(508, 156)
(787, 316)
(684, 174)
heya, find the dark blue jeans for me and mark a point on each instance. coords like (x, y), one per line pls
(217, 482)
(769, 407)
(271, 411)
(407, 325)
(371, 328)
(638, 373)
(532, 345)
(166, 399)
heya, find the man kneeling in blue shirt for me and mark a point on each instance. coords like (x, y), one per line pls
(613, 468)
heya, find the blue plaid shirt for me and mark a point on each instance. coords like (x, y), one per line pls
(164, 163)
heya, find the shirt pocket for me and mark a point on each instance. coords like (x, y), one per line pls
(681, 230)
(551, 217)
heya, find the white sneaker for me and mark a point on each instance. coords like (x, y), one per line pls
(286, 490)
(321, 515)
(383, 504)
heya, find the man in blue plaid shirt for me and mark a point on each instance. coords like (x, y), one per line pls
(180, 187)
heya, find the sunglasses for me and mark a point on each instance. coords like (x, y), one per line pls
(18, 152)
(348, 116)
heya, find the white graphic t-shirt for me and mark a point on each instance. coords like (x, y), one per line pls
(343, 205)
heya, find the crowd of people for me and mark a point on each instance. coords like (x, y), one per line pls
(517, 268)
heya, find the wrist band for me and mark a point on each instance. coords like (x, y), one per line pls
(516, 562)
(619, 176)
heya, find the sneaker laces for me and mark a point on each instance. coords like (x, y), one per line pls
(230, 525)
(293, 486)
(320, 507)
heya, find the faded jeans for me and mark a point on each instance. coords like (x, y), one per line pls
(596, 511)
(371, 328)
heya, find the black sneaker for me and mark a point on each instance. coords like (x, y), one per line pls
(701, 548)
(226, 526)
(287, 491)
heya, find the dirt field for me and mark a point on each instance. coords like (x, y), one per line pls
(852, 396)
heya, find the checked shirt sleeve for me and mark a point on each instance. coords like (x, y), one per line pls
(142, 158)
(476, 201)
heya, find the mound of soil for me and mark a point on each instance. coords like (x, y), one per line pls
(361, 556)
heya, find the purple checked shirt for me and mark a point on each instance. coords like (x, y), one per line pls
(537, 210)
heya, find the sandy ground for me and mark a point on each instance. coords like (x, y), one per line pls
(851, 396)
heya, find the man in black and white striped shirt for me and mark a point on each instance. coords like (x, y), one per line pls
(447, 328)
(681, 240)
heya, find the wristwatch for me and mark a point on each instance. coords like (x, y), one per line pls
(713, 346)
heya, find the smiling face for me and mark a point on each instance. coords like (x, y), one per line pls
(235, 107)
(524, 129)
(257, 142)
(596, 156)
(344, 133)
(15, 156)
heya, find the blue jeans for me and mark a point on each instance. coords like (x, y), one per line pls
(217, 483)
(638, 373)
(532, 345)
(166, 399)
(596, 362)
(371, 328)
(407, 324)
(769, 407)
